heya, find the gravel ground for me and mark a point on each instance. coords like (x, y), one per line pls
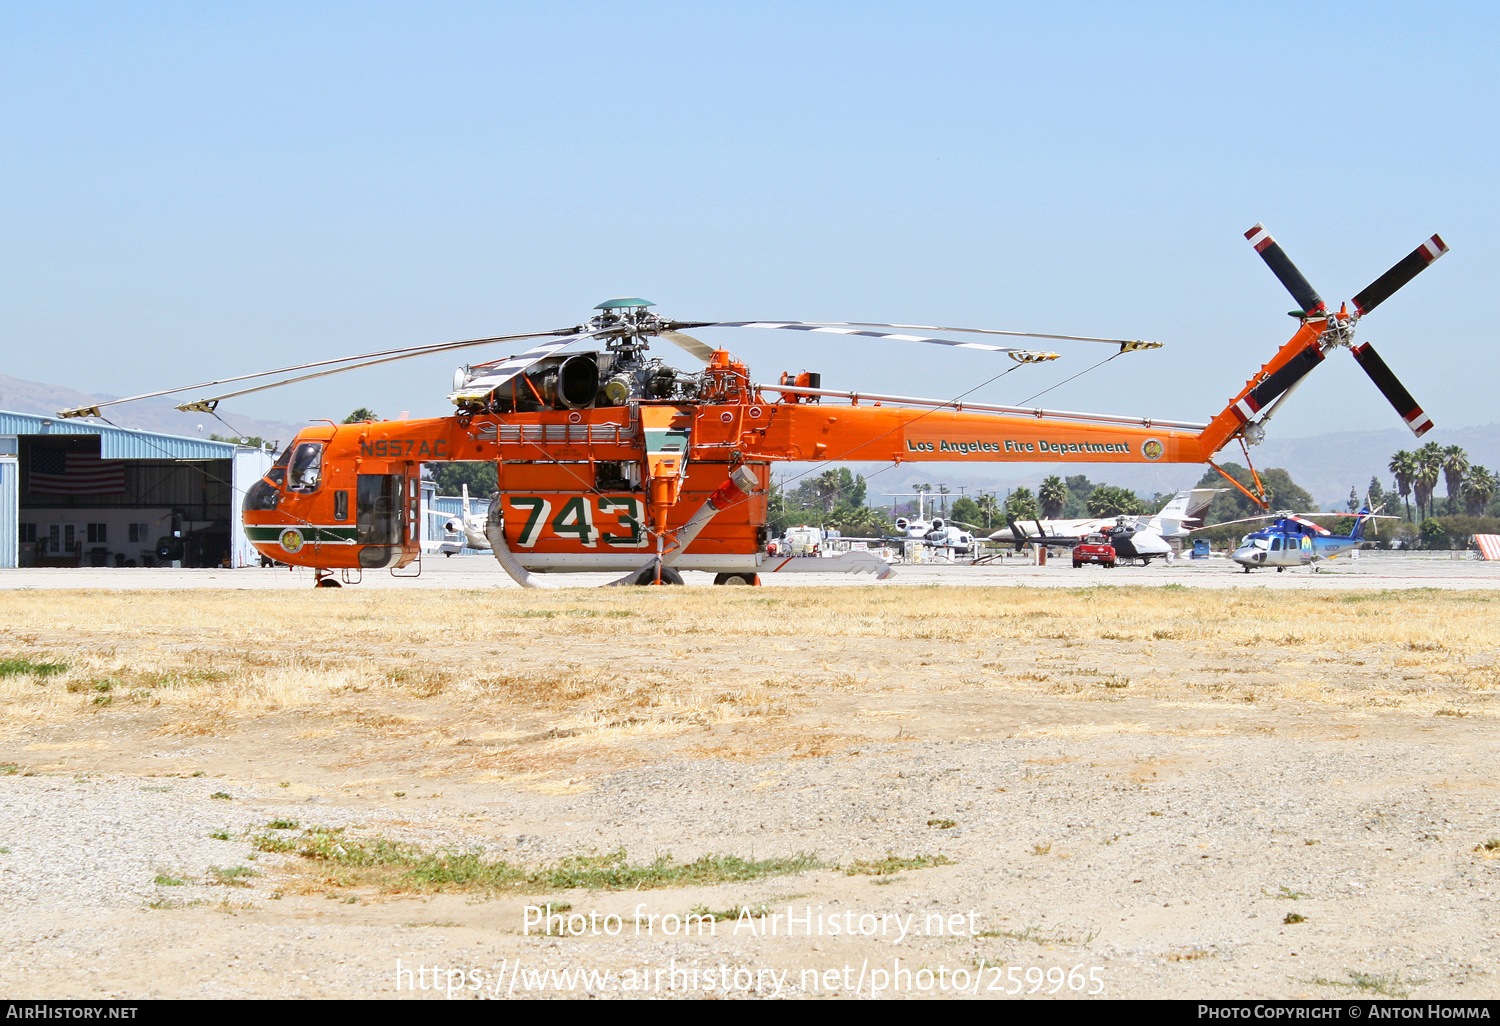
(1158, 844)
(1171, 863)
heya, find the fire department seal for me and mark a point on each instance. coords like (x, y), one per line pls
(291, 539)
(1152, 449)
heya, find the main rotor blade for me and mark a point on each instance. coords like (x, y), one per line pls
(1308, 523)
(93, 411)
(699, 350)
(1226, 523)
(1407, 268)
(1394, 392)
(1127, 345)
(1281, 265)
(835, 329)
(503, 371)
(208, 405)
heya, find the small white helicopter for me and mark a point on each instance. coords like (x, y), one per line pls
(951, 536)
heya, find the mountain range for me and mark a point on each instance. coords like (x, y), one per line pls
(35, 397)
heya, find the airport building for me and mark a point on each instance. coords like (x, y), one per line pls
(76, 493)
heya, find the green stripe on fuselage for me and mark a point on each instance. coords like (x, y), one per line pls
(311, 534)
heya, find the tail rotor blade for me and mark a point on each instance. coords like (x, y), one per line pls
(1393, 390)
(1293, 371)
(1407, 268)
(1286, 272)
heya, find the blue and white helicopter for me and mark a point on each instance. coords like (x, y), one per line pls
(1291, 540)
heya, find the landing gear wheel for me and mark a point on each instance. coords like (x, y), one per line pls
(647, 576)
(1280, 568)
(737, 578)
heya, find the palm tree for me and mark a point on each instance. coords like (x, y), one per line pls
(826, 487)
(1021, 504)
(989, 506)
(1053, 495)
(1478, 490)
(1404, 467)
(1111, 500)
(1455, 466)
(1429, 469)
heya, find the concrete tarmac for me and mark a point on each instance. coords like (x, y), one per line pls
(1372, 570)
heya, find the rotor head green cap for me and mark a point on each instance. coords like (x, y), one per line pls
(623, 303)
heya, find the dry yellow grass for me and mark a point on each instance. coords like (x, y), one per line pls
(516, 683)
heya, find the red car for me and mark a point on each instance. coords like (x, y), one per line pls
(1094, 549)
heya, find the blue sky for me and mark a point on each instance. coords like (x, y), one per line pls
(195, 190)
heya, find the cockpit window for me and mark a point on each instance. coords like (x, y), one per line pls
(261, 495)
(306, 471)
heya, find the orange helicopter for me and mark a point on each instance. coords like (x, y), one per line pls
(612, 460)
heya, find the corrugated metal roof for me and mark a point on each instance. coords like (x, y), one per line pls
(119, 443)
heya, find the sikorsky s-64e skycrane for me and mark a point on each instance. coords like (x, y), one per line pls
(613, 460)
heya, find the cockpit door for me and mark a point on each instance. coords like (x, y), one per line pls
(380, 515)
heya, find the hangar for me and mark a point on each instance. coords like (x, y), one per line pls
(75, 493)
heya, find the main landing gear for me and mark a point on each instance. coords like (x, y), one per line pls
(647, 575)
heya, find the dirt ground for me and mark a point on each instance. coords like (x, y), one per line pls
(1003, 792)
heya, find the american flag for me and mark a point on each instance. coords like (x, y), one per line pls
(56, 472)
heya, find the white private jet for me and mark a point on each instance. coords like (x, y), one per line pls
(1141, 537)
(464, 531)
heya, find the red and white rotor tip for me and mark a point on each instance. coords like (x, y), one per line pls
(1259, 237)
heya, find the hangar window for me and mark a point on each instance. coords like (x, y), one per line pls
(306, 468)
(28, 533)
(98, 533)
